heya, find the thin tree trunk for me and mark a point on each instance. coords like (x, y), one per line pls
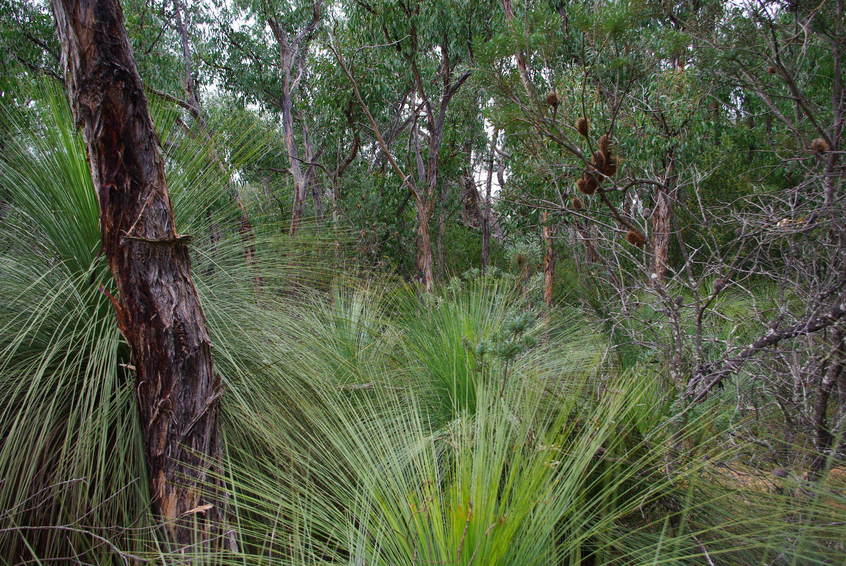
(245, 227)
(547, 232)
(311, 178)
(424, 246)
(293, 157)
(292, 50)
(662, 218)
(824, 437)
(520, 55)
(188, 82)
(661, 234)
(440, 242)
(486, 209)
(158, 309)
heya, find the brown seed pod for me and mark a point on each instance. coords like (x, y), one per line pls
(635, 238)
(577, 203)
(582, 126)
(587, 184)
(604, 143)
(552, 99)
(819, 145)
(772, 70)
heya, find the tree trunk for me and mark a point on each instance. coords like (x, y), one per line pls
(486, 208)
(823, 435)
(424, 246)
(440, 237)
(520, 55)
(245, 227)
(188, 82)
(292, 49)
(311, 177)
(661, 220)
(158, 310)
(547, 232)
(293, 157)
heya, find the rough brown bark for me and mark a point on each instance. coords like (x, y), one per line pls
(661, 220)
(157, 308)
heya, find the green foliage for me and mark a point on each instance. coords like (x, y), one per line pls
(72, 451)
(365, 423)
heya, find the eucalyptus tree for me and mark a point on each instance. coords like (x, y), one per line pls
(158, 310)
(433, 44)
(27, 38)
(263, 53)
(789, 59)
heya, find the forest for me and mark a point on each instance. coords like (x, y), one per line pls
(423, 282)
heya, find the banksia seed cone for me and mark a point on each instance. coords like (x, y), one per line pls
(772, 70)
(552, 99)
(635, 238)
(587, 184)
(577, 203)
(819, 145)
(582, 126)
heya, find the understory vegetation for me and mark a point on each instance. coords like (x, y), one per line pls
(363, 423)
(486, 284)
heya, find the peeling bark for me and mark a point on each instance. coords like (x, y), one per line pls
(158, 310)
(661, 219)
